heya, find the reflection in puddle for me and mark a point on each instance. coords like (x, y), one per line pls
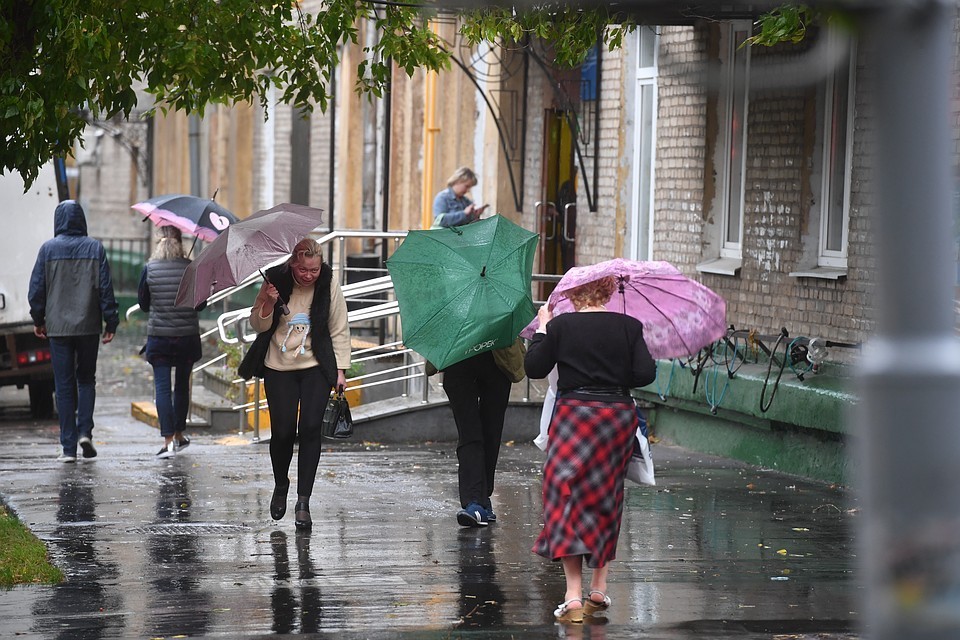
(176, 562)
(481, 598)
(297, 609)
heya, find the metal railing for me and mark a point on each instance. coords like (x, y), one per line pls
(375, 305)
(126, 257)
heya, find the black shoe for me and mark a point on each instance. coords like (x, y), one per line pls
(86, 446)
(183, 443)
(301, 514)
(278, 503)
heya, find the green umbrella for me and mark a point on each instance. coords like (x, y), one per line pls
(464, 290)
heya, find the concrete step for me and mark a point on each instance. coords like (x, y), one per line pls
(389, 420)
(146, 412)
(215, 410)
(220, 381)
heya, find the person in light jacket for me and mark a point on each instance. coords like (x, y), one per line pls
(452, 207)
(72, 303)
(301, 313)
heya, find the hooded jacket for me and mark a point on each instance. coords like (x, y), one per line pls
(70, 288)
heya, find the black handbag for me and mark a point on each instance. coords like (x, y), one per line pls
(337, 422)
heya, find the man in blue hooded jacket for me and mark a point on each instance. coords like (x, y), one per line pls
(71, 297)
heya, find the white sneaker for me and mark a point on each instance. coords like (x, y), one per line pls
(167, 451)
(65, 458)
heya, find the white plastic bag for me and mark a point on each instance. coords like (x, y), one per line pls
(546, 414)
(640, 467)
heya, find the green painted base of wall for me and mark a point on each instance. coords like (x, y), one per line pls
(800, 453)
(801, 432)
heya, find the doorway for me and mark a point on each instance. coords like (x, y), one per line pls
(557, 207)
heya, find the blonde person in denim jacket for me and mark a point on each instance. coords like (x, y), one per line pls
(451, 207)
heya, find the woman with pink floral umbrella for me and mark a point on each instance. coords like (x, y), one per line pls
(599, 357)
(599, 353)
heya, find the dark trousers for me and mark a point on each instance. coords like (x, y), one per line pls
(74, 361)
(288, 391)
(478, 392)
(173, 402)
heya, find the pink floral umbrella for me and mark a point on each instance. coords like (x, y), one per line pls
(680, 316)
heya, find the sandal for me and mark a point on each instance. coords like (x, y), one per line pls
(591, 606)
(564, 613)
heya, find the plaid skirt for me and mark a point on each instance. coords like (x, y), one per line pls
(587, 455)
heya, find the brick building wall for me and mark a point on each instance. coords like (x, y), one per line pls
(600, 233)
(110, 180)
(778, 187)
(680, 187)
(538, 99)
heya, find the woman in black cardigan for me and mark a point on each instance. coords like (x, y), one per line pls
(302, 352)
(600, 356)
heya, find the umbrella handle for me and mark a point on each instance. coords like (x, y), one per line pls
(284, 309)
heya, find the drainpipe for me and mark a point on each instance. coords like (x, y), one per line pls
(907, 421)
(430, 131)
(332, 157)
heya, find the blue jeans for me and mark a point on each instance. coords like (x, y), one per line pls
(74, 361)
(172, 405)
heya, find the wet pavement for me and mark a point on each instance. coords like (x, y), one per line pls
(186, 547)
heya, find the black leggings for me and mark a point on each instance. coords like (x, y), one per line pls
(308, 390)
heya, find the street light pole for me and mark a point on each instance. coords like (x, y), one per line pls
(908, 420)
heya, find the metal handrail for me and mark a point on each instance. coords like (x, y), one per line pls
(230, 332)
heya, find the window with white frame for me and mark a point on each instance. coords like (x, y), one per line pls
(645, 121)
(837, 154)
(825, 242)
(724, 245)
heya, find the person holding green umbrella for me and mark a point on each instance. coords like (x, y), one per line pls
(464, 296)
(478, 390)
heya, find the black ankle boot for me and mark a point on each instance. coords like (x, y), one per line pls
(278, 503)
(301, 515)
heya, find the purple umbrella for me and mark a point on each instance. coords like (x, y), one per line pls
(200, 217)
(680, 316)
(244, 248)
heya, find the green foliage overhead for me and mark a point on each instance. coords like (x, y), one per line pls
(66, 62)
(789, 23)
(571, 32)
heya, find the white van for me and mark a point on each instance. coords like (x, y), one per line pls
(26, 221)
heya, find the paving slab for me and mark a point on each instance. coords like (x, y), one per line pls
(186, 548)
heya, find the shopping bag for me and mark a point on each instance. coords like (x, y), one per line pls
(640, 467)
(546, 414)
(337, 422)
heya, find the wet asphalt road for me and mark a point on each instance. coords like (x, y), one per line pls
(186, 547)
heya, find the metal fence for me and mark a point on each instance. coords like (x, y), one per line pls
(127, 257)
